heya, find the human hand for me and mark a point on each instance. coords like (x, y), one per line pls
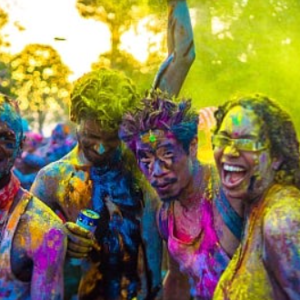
(80, 241)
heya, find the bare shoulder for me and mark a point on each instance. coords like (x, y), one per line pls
(55, 170)
(37, 210)
(282, 216)
(41, 228)
(48, 179)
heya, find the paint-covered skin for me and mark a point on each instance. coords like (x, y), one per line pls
(193, 242)
(244, 174)
(266, 265)
(72, 184)
(32, 237)
(10, 139)
(65, 185)
(250, 154)
(164, 163)
(195, 233)
(32, 252)
(181, 49)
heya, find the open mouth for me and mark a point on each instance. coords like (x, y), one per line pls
(163, 186)
(232, 175)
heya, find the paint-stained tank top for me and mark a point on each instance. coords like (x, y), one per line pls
(203, 259)
(10, 287)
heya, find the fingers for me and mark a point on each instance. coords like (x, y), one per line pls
(75, 254)
(80, 240)
(77, 230)
(78, 248)
(78, 251)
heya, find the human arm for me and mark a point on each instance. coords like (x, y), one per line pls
(45, 242)
(281, 252)
(152, 242)
(176, 285)
(50, 187)
(181, 50)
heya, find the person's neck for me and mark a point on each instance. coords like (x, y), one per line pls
(255, 202)
(191, 194)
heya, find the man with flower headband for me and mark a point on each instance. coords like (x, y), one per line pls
(101, 174)
(201, 228)
(32, 238)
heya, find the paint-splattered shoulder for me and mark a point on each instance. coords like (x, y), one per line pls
(41, 227)
(49, 178)
(57, 169)
(282, 211)
(39, 211)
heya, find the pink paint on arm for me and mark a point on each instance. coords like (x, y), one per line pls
(47, 277)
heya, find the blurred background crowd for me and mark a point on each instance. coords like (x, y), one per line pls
(242, 46)
(39, 151)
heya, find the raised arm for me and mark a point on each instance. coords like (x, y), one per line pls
(181, 50)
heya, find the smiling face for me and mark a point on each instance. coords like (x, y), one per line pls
(165, 163)
(99, 146)
(242, 156)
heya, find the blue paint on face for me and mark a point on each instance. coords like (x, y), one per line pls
(11, 135)
(101, 149)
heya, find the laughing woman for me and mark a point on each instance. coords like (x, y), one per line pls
(257, 155)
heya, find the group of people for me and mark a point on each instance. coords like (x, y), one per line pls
(231, 228)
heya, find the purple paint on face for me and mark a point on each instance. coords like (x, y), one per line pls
(165, 163)
(242, 171)
(264, 158)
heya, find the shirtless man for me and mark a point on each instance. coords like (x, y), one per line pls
(32, 239)
(99, 173)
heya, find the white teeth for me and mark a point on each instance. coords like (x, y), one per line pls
(232, 168)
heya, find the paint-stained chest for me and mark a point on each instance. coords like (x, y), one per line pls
(81, 188)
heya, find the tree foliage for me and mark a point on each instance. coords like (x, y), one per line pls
(246, 46)
(3, 21)
(41, 83)
(5, 72)
(119, 15)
